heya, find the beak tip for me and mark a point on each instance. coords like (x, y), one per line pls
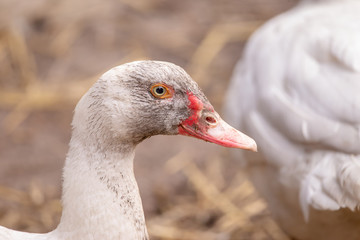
(254, 147)
(250, 145)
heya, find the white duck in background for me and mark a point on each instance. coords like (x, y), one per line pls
(296, 90)
(126, 105)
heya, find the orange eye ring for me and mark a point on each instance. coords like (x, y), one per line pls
(160, 90)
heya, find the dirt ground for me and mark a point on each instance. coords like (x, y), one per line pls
(51, 52)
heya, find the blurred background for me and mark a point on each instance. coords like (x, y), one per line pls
(50, 54)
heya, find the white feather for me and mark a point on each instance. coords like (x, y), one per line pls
(296, 90)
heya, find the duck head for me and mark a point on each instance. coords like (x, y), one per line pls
(140, 99)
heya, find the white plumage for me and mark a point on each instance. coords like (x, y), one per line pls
(128, 104)
(297, 92)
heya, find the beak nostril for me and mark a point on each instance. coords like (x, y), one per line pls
(210, 120)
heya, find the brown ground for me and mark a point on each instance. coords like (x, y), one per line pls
(51, 52)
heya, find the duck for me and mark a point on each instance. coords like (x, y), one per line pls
(298, 84)
(127, 105)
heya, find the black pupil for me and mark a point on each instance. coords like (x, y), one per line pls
(159, 90)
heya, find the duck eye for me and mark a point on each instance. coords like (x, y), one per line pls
(161, 90)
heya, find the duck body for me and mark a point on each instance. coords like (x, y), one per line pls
(298, 85)
(128, 104)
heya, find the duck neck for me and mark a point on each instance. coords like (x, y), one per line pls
(100, 197)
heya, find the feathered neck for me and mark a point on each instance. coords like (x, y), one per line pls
(100, 196)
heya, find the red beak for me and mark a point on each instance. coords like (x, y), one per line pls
(204, 123)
